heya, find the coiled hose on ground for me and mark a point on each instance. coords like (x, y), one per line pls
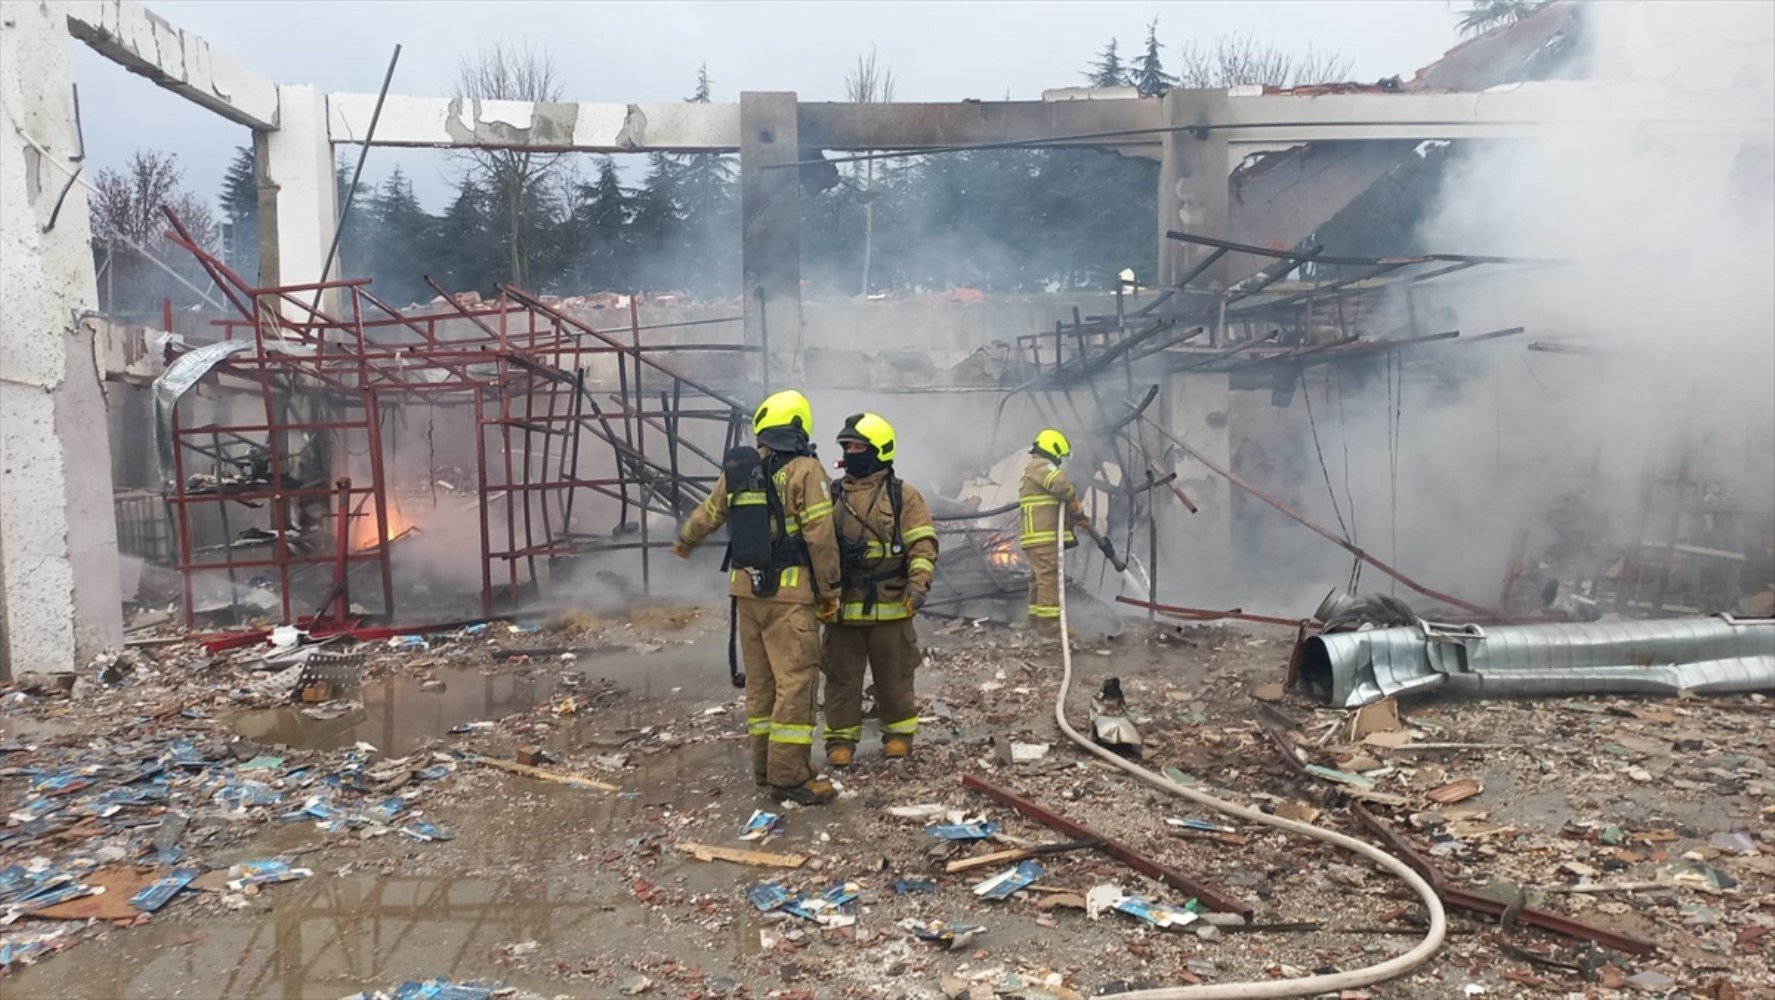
(1305, 986)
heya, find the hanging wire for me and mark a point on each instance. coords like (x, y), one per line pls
(1343, 433)
(1395, 428)
(1307, 394)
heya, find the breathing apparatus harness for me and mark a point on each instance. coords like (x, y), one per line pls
(758, 537)
(853, 554)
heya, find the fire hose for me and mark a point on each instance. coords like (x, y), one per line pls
(1303, 986)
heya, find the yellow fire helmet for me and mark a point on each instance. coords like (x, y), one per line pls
(788, 409)
(1053, 444)
(872, 430)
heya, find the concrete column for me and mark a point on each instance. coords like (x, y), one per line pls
(770, 250)
(297, 191)
(1192, 183)
(60, 597)
(1196, 564)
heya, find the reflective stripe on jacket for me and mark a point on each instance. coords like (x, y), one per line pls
(1040, 494)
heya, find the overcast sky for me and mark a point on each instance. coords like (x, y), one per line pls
(638, 52)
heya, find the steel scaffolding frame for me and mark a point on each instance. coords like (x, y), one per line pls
(522, 367)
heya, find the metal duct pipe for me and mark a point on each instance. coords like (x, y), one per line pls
(1716, 655)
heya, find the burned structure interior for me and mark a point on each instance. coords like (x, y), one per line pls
(1421, 641)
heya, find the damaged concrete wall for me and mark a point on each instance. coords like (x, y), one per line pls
(59, 592)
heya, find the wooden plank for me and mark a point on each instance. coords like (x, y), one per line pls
(761, 859)
(996, 857)
(527, 771)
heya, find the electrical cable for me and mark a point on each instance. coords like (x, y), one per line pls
(1306, 392)
(1306, 985)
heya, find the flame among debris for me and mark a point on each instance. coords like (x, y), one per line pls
(364, 533)
(1003, 552)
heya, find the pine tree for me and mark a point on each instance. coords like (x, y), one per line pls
(240, 208)
(466, 255)
(655, 225)
(1149, 75)
(601, 243)
(399, 242)
(1108, 70)
(706, 245)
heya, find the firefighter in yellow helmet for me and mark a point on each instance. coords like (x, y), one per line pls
(1041, 493)
(776, 502)
(887, 553)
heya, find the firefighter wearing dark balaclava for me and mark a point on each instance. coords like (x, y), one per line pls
(783, 557)
(1041, 494)
(887, 553)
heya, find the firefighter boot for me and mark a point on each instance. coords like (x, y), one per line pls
(813, 792)
(896, 746)
(838, 755)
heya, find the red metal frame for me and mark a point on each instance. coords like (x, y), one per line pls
(522, 368)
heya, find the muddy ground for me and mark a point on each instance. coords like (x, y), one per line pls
(556, 890)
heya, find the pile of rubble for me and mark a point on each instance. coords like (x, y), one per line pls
(1578, 843)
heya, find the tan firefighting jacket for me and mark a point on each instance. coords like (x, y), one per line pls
(1040, 494)
(802, 486)
(876, 588)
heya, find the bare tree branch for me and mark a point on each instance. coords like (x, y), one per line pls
(869, 82)
(512, 177)
(1239, 60)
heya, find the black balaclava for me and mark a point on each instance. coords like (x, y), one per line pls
(858, 464)
(788, 440)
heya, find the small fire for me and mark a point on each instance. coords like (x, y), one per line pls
(364, 535)
(1004, 553)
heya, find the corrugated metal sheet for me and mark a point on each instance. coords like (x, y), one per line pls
(1701, 655)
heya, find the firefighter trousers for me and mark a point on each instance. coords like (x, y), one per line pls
(780, 647)
(1044, 582)
(890, 651)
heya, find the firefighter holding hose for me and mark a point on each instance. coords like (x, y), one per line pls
(1041, 493)
(887, 553)
(783, 558)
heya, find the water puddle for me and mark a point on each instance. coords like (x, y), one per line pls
(396, 715)
(335, 936)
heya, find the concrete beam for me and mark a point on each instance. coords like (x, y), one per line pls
(147, 44)
(1523, 110)
(915, 126)
(593, 128)
(1254, 120)
(770, 236)
(60, 593)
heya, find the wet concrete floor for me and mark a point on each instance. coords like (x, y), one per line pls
(334, 935)
(526, 865)
(397, 715)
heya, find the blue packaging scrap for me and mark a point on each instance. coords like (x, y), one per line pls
(963, 831)
(767, 896)
(1007, 883)
(156, 896)
(422, 831)
(440, 989)
(1163, 917)
(834, 900)
(761, 824)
